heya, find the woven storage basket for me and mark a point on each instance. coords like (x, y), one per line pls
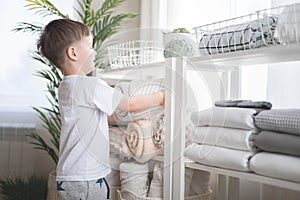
(131, 196)
(114, 195)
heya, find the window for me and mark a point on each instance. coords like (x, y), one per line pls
(19, 88)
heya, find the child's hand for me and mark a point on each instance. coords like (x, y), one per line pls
(162, 97)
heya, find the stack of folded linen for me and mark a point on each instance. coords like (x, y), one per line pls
(222, 134)
(138, 135)
(280, 141)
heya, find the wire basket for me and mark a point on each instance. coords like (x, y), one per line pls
(274, 26)
(125, 194)
(133, 53)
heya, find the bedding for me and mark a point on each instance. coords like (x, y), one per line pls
(249, 35)
(278, 142)
(219, 156)
(241, 118)
(140, 142)
(224, 137)
(282, 166)
(281, 120)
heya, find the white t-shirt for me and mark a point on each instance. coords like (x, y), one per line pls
(84, 104)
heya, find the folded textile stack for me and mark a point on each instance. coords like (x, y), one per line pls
(222, 134)
(248, 35)
(138, 135)
(280, 141)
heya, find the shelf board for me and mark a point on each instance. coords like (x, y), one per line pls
(147, 71)
(264, 55)
(246, 175)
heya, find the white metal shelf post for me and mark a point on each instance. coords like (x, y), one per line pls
(175, 129)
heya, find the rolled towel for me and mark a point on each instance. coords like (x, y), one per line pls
(117, 142)
(134, 177)
(242, 118)
(140, 142)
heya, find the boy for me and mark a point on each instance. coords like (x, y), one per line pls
(85, 104)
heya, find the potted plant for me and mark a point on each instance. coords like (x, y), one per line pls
(16, 188)
(103, 24)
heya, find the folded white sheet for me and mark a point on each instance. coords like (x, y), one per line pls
(242, 118)
(117, 142)
(276, 165)
(224, 137)
(219, 156)
(140, 142)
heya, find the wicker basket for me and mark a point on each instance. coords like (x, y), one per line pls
(131, 196)
(133, 53)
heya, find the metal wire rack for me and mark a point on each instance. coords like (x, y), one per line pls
(133, 53)
(274, 26)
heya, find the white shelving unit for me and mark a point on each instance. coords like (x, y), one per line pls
(174, 71)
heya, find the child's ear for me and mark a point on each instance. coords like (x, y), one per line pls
(71, 53)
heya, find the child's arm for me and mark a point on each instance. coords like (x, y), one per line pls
(142, 102)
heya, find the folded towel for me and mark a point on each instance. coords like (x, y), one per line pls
(134, 177)
(224, 137)
(276, 165)
(244, 104)
(242, 118)
(281, 120)
(278, 142)
(117, 142)
(219, 156)
(140, 141)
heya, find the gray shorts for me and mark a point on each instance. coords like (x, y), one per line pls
(83, 190)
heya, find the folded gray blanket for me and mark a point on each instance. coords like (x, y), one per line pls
(244, 104)
(281, 120)
(277, 142)
(253, 34)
